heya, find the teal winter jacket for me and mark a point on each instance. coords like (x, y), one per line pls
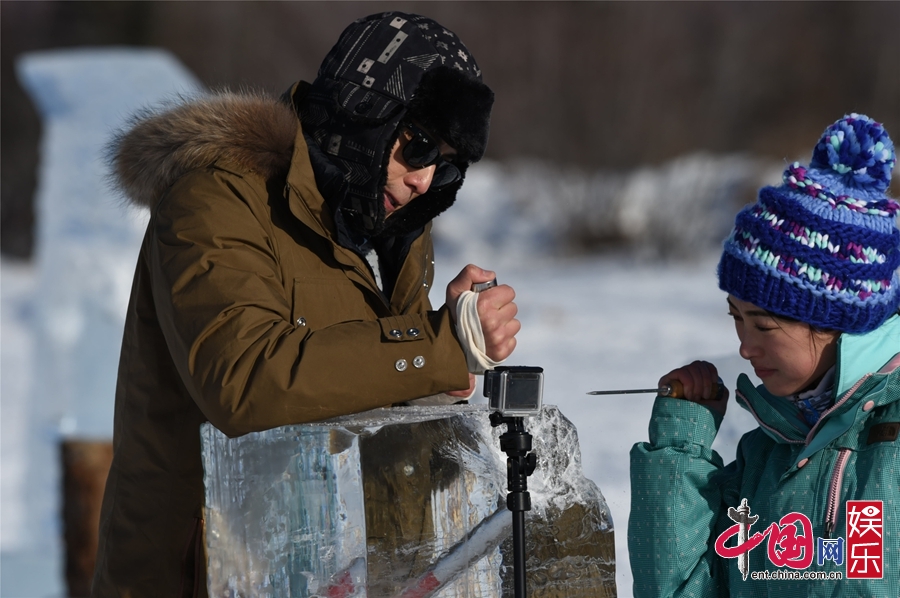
(681, 491)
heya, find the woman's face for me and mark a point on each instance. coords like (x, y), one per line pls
(789, 357)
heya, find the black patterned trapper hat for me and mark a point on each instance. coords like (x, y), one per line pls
(383, 69)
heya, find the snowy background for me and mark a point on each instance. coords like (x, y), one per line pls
(617, 319)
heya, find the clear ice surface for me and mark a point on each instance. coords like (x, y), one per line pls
(406, 501)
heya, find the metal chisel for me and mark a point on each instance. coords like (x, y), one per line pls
(674, 389)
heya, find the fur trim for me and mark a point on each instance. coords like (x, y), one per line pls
(250, 129)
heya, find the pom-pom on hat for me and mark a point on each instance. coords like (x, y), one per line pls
(823, 247)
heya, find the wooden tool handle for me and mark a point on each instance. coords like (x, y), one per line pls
(675, 389)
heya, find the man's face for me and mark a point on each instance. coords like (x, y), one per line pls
(405, 182)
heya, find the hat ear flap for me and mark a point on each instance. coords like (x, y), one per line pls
(456, 108)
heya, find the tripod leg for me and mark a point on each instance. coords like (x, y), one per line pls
(519, 552)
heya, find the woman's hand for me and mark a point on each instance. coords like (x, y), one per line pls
(700, 381)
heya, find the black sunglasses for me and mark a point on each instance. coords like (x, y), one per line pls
(422, 151)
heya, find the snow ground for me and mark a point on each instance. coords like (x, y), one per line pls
(26, 569)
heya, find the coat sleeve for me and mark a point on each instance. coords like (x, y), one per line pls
(221, 304)
(678, 487)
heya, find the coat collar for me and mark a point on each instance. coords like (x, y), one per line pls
(309, 206)
(858, 352)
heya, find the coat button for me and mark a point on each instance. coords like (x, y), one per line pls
(395, 333)
(802, 463)
(301, 321)
(868, 406)
(419, 362)
(413, 332)
(400, 365)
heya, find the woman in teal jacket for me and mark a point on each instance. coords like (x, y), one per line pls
(811, 275)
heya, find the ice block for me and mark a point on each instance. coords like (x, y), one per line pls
(406, 501)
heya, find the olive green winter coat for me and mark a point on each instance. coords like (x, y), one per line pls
(681, 492)
(245, 313)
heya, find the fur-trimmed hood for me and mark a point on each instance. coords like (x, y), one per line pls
(251, 129)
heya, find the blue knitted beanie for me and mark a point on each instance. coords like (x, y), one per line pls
(823, 247)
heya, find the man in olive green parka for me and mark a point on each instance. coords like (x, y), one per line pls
(285, 272)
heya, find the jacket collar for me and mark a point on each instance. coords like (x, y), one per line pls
(309, 206)
(857, 352)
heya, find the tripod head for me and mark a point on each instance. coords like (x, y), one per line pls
(520, 462)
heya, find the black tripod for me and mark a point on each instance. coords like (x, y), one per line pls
(520, 464)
